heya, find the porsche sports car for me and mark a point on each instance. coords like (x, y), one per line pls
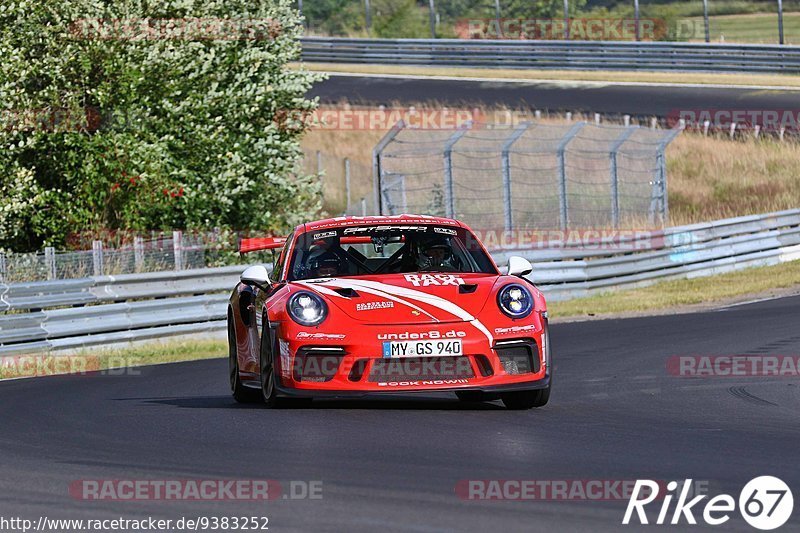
(354, 306)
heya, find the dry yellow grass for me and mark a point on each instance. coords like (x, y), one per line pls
(336, 145)
(766, 80)
(708, 177)
(684, 292)
(713, 177)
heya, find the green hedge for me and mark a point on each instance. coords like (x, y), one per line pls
(149, 115)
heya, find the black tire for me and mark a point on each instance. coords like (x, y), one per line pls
(475, 396)
(240, 393)
(526, 399)
(269, 392)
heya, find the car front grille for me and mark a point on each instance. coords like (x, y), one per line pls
(420, 368)
(317, 364)
(518, 357)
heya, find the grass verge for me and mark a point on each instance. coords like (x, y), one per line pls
(674, 295)
(752, 28)
(766, 80)
(106, 359)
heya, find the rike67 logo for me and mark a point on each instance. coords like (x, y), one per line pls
(765, 503)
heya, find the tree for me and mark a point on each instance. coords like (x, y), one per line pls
(178, 114)
(334, 17)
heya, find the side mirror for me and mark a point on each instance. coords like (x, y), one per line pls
(519, 266)
(255, 275)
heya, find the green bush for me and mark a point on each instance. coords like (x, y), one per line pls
(401, 19)
(161, 124)
(334, 17)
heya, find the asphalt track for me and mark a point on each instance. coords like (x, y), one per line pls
(598, 97)
(392, 464)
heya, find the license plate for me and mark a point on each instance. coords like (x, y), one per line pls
(422, 348)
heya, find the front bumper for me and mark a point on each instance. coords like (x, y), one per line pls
(356, 393)
(355, 366)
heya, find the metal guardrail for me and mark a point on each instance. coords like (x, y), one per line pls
(580, 55)
(680, 252)
(111, 323)
(55, 315)
(100, 289)
(648, 241)
(128, 307)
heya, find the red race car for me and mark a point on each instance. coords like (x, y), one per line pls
(360, 305)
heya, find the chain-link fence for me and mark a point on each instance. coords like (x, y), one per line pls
(177, 251)
(346, 184)
(528, 175)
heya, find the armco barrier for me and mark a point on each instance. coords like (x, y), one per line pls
(580, 55)
(44, 294)
(76, 327)
(55, 315)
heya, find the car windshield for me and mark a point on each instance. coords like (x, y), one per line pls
(385, 249)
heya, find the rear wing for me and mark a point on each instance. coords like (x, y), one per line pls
(255, 244)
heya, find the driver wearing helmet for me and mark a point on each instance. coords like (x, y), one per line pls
(323, 262)
(436, 255)
(325, 266)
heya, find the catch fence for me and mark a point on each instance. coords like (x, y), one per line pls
(529, 175)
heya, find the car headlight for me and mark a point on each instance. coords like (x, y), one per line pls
(515, 301)
(307, 309)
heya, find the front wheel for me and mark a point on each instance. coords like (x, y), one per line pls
(240, 393)
(269, 392)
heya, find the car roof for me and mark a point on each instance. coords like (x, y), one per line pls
(346, 221)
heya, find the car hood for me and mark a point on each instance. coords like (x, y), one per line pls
(406, 298)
